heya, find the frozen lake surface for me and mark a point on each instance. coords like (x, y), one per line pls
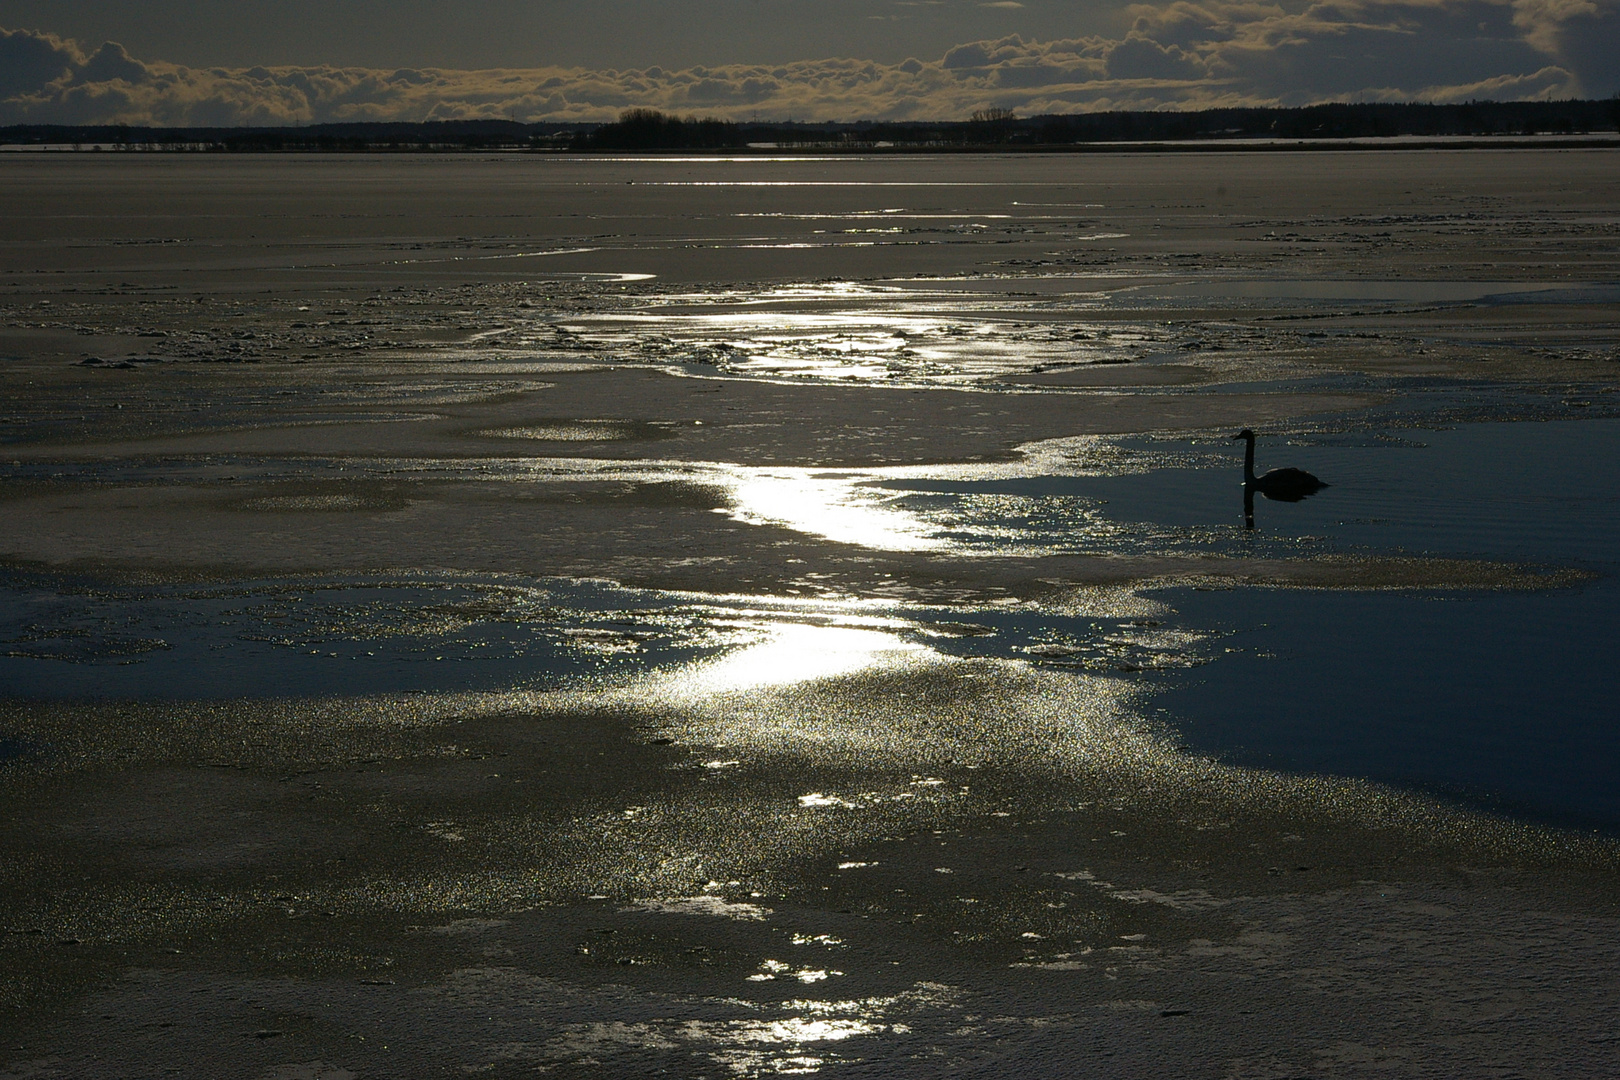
(772, 616)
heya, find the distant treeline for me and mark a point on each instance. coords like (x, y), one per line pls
(1371, 120)
(649, 130)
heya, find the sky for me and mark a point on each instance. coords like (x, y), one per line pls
(271, 62)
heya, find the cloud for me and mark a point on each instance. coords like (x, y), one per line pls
(1547, 84)
(110, 64)
(972, 55)
(29, 60)
(1140, 57)
(1583, 35)
(1182, 54)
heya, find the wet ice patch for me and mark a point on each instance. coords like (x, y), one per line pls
(832, 507)
(711, 906)
(462, 927)
(1182, 900)
(791, 652)
(311, 503)
(771, 970)
(753, 1047)
(565, 431)
(816, 799)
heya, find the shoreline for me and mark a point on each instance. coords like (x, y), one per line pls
(1593, 141)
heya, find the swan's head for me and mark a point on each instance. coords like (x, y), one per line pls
(1244, 434)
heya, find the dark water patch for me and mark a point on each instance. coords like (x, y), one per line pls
(1111, 644)
(1505, 700)
(331, 637)
(64, 640)
(1576, 294)
(1354, 290)
(1538, 491)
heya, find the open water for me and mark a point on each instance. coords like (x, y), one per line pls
(1501, 699)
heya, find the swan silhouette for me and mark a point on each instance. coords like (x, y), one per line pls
(1279, 485)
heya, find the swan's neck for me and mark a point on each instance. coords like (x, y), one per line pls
(1248, 460)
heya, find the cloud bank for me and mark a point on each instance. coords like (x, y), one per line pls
(1181, 55)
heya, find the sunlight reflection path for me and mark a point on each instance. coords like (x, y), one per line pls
(888, 508)
(799, 652)
(934, 331)
(833, 506)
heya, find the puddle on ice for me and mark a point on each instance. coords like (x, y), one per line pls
(1358, 290)
(1505, 700)
(1498, 698)
(794, 653)
(831, 506)
(363, 636)
(804, 1037)
(933, 332)
(1545, 494)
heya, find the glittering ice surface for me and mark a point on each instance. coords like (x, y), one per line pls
(792, 616)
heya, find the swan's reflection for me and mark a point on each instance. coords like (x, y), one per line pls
(1278, 485)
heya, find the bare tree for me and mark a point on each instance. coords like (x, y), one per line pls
(992, 125)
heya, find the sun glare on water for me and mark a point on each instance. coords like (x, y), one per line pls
(830, 507)
(799, 652)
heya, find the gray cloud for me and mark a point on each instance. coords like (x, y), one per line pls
(1140, 57)
(1582, 34)
(1183, 54)
(28, 60)
(111, 63)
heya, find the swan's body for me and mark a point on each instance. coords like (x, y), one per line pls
(1279, 485)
